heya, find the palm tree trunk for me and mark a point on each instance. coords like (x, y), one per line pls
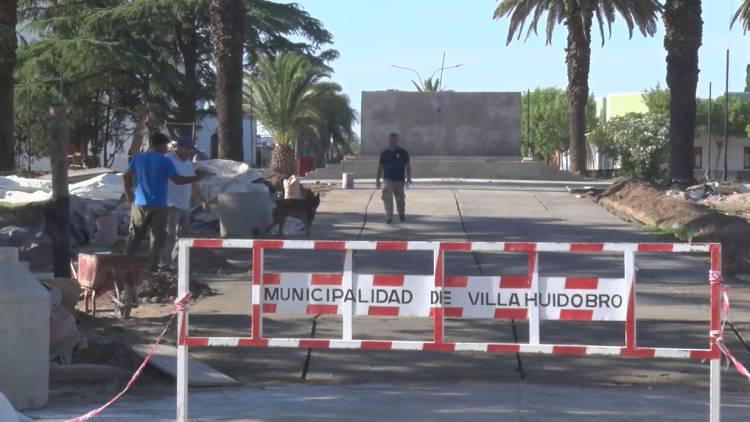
(8, 20)
(228, 44)
(684, 32)
(283, 162)
(578, 59)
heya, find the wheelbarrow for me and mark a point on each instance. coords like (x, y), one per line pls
(118, 275)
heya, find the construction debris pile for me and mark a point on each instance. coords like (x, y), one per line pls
(698, 214)
(162, 288)
(99, 213)
(732, 199)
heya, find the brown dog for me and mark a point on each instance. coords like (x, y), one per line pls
(303, 209)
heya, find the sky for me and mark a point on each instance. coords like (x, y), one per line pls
(373, 35)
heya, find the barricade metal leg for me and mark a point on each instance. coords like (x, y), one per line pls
(535, 289)
(630, 323)
(257, 294)
(716, 332)
(439, 275)
(346, 306)
(715, 404)
(182, 332)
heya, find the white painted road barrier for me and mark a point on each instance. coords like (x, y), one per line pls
(527, 297)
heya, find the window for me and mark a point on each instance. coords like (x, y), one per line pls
(698, 157)
(747, 158)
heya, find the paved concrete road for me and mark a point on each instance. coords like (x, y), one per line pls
(672, 299)
(477, 402)
(672, 294)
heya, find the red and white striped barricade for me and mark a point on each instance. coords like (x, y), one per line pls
(528, 297)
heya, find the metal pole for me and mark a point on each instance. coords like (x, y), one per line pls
(442, 68)
(715, 391)
(528, 123)
(183, 265)
(28, 127)
(346, 307)
(726, 118)
(710, 107)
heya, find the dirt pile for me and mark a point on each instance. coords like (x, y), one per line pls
(162, 288)
(650, 204)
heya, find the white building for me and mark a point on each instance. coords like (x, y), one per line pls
(738, 152)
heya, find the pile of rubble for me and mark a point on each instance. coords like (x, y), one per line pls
(99, 212)
(162, 288)
(688, 220)
(732, 199)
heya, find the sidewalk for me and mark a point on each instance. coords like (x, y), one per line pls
(434, 402)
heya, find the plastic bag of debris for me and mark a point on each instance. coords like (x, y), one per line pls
(292, 188)
(228, 177)
(701, 191)
(293, 225)
(103, 187)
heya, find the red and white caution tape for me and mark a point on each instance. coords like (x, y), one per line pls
(715, 277)
(180, 304)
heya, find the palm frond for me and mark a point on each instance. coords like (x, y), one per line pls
(743, 15)
(641, 14)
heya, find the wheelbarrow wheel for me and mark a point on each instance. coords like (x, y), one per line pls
(122, 303)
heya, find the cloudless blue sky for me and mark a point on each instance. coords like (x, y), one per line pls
(372, 35)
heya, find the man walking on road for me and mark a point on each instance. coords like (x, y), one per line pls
(395, 169)
(146, 188)
(178, 201)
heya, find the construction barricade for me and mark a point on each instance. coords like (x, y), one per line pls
(532, 297)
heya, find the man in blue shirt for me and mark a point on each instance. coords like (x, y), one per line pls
(146, 188)
(395, 169)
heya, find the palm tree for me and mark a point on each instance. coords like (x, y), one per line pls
(743, 15)
(429, 85)
(8, 20)
(227, 35)
(253, 27)
(285, 93)
(334, 130)
(683, 38)
(578, 16)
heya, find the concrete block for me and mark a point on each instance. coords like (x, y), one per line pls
(443, 123)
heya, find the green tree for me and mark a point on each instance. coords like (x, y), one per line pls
(429, 85)
(657, 100)
(102, 74)
(549, 122)
(118, 57)
(578, 17)
(227, 20)
(743, 15)
(252, 27)
(285, 94)
(331, 132)
(8, 20)
(683, 37)
(334, 131)
(640, 141)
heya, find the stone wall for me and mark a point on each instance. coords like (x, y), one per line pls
(443, 123)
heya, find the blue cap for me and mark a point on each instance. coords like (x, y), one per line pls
(185, 141)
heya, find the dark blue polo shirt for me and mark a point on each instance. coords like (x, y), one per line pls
(394, 164)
